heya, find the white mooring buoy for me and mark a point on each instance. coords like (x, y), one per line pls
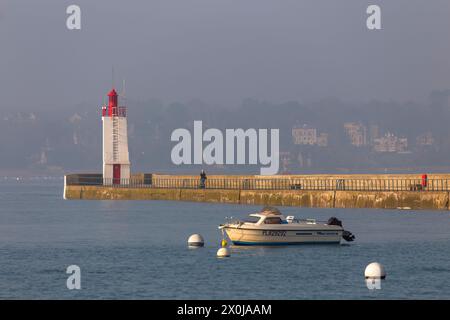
(196, 240)
(223, 252)
(375, 271)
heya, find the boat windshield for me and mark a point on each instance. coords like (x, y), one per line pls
(275, 220)
(252, 219)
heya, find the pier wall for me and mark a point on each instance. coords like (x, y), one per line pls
(430, 200)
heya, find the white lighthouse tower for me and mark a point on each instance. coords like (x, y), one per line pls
(116, 161)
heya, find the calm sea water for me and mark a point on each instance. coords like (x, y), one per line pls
(137, 250)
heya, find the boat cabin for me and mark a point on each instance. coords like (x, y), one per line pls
(261, 218)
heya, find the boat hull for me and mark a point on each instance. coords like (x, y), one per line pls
(242, 236)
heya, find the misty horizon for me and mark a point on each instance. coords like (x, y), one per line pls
(69, 139)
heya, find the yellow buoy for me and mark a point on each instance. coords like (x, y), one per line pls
(224, 243)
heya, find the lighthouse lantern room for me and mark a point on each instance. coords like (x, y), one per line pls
(116, 162)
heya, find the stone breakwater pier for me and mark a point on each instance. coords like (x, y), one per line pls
(387, 191)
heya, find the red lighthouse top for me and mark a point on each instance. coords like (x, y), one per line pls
(112, 93)
(113, 109)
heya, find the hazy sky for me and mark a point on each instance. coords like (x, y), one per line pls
(222, 51)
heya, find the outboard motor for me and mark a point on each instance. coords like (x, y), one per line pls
(346, 235)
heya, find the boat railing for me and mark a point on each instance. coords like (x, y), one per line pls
(232, 220)
(308, 221)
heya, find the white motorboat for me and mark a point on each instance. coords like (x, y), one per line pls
(270, 227)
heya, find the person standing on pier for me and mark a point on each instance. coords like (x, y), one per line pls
(202, 179)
